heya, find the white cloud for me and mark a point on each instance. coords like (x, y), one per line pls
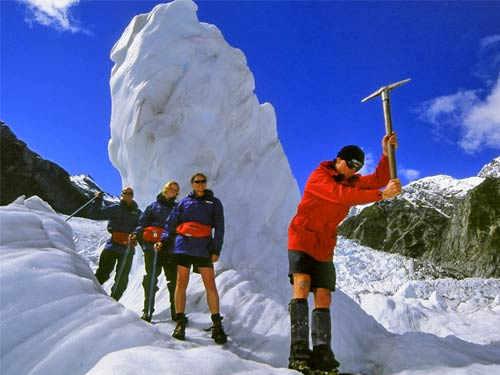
(488, 59)
(409, 174)
(53, 13)
(477, 119)
(489, 40)
(482, 123)
(450, 108)
(370, 164)
(471, 118)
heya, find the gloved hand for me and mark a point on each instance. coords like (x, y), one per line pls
(132, 239)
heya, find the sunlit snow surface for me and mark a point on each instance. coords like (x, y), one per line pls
(56, 319)
(183, 102)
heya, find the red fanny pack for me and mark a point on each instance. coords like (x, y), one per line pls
(194, 229)
(152, 234)
(120, 238)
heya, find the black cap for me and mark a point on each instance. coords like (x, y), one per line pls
(351, 152)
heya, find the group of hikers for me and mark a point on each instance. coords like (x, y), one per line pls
(174, 236)
(177, 235)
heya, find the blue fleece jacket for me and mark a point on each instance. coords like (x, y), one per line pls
(155, 215)
(121, 218)
(207, 210)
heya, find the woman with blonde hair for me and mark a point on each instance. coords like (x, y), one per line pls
(149, 230)
(198, 224)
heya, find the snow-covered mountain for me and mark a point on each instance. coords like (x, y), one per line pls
(24, 172)
(444, 192)
(439, 192)
(491, 169)
(452, 223)
(86, 184)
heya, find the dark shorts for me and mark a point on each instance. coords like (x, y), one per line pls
(188, 261)
(322, 274)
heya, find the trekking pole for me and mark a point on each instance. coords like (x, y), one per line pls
(122, 266)
(81, 208)
(384, 92)
(152, 286)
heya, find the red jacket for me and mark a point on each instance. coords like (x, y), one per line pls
(326, 203)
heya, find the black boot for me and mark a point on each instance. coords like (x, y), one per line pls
(150, 277)
(171, 276)
(146, 317)
(173, 314)
(299, 347)
(180, 329)
(322, 356)
(218, 333)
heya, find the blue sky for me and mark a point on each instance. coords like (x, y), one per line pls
(312, 60)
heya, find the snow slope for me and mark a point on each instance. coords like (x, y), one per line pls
(89, 187)
(56, 319)
(441, 192)
(491, 169)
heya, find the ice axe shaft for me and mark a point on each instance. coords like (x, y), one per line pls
(152, 286)
(388, 130)
(384, 93)
(81, 208)
(120, 270)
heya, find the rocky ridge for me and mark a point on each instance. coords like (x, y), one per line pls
(24, 172)
(453, 224)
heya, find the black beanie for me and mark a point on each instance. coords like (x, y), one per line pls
(352, 152)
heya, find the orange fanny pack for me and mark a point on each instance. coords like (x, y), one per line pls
(194, 229)
(120, 238)
(152, 234)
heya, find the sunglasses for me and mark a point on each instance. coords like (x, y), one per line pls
(127, 193)
(354, 164)
(200, 181)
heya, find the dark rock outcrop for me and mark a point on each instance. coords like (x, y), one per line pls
(396, 226)
(471, 243)
(462, 237)
(24, 172)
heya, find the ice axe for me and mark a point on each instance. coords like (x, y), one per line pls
(384, 92)
(118, 277)
(81, 208)
(152, 287)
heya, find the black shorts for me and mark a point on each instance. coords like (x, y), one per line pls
(188, 261)
(322, 274)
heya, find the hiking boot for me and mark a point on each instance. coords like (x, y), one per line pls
(300, 365)
(331, 372)
(323, 359)
(180, 329)
(300, 355)
(146, 317)
(218, 333)
(176, 318)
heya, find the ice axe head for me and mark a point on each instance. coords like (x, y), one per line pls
(385, 89)
(384, 92)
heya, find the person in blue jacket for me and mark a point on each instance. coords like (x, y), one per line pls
(151, 226)
(122, 220)
(197, 223)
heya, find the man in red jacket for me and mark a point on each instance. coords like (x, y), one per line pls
(329, 193)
